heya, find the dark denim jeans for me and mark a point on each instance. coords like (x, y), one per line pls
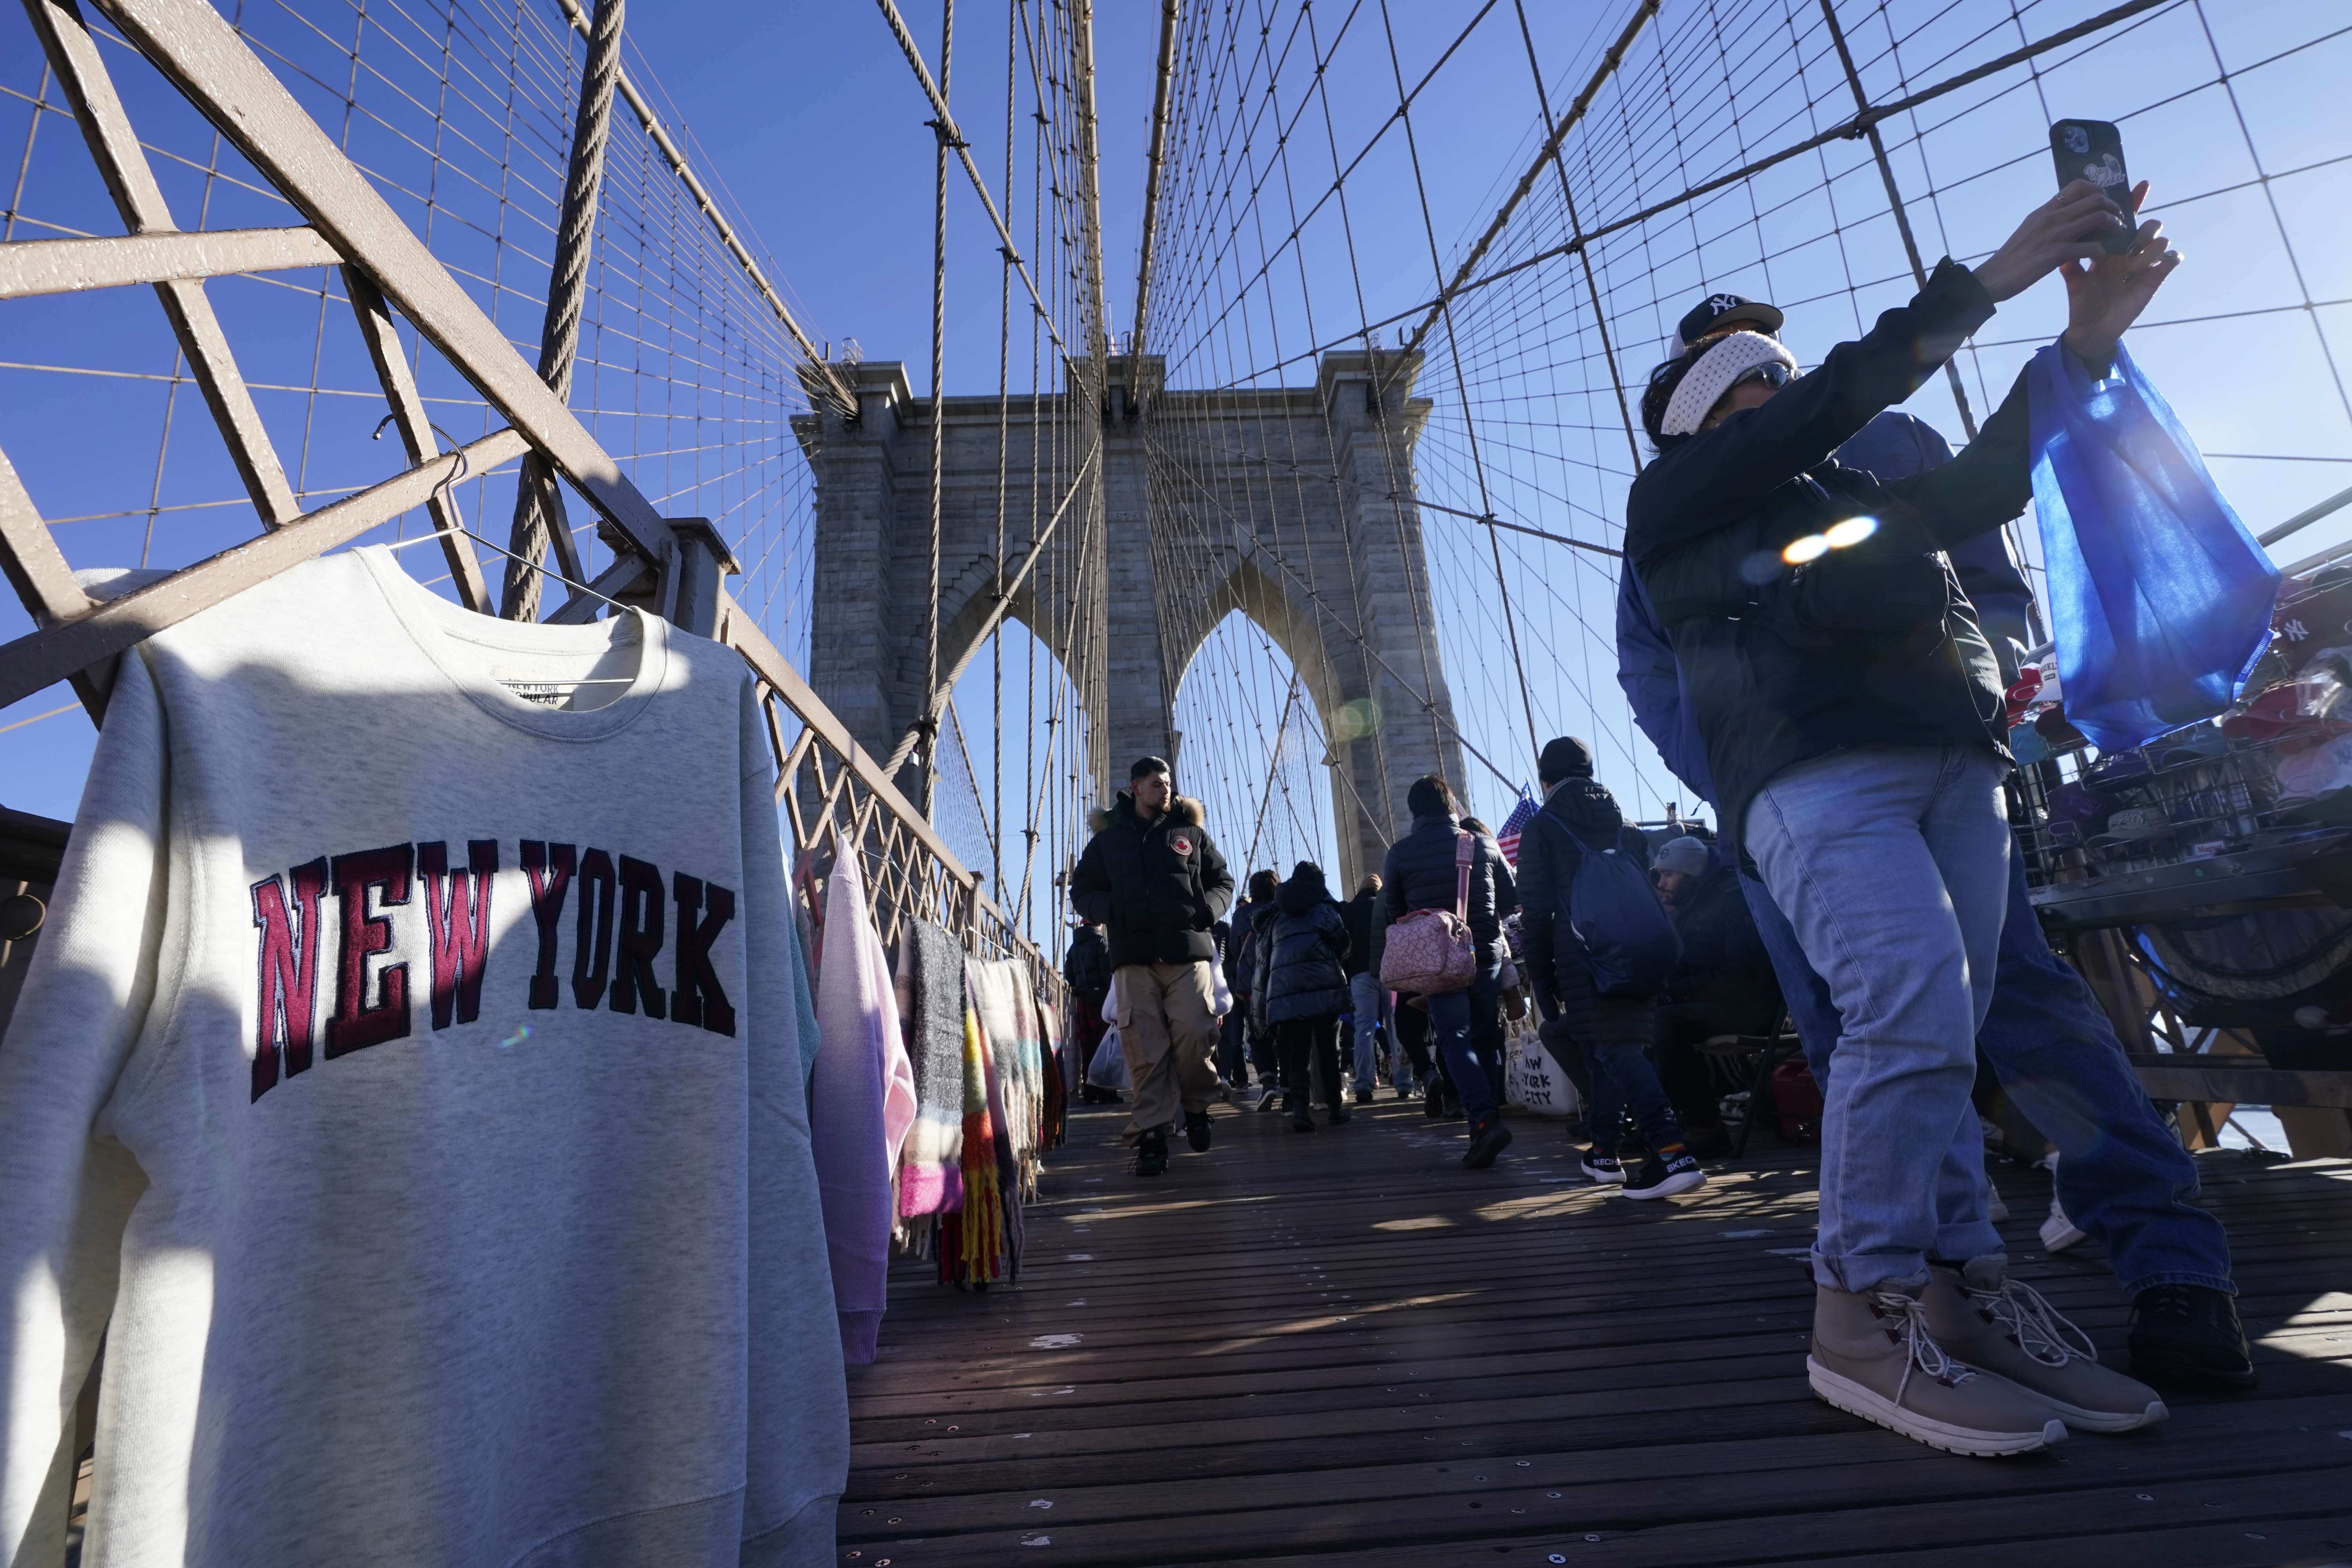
(1450, 1019)
(2124, 1179)
(1624, 1084)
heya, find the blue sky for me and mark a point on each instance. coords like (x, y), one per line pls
(807, 120)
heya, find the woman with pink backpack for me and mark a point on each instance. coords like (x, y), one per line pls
(1440, 935)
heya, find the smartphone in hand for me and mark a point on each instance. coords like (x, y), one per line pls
(2092, 150)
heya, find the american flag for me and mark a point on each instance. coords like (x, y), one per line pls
(1513, 825)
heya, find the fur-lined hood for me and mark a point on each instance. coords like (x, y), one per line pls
(1183, 810)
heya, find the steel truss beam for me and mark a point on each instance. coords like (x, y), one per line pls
(54, 653)
(34, 267)
(73, 54)
(205, 58)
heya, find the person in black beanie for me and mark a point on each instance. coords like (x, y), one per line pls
(1153, 877)
(1578, 817)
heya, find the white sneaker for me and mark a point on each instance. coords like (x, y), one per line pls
(1995, 1210)
(2059, 1233)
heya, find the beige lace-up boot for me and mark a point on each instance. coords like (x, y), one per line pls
(1996, 1324)
(1873, 1356)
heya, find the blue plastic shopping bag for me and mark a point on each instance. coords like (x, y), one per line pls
(2159, 599)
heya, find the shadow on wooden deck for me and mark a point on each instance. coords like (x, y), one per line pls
(1344, 1348)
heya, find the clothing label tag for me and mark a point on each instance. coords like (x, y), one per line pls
(537, 688)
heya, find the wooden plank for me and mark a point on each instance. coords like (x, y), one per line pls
(2171, 1078)
(1262, 1373)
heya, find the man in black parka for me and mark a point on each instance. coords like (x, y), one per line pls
(1151, 875)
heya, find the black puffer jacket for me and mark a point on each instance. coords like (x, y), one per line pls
(1772, 662)
(1158, 886)
(1577, 813)
(1360, 915)
(1419, 874)
(1724, 963)
(1086, 966)
(1302, 953)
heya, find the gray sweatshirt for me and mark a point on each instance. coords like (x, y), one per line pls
(407, 1087)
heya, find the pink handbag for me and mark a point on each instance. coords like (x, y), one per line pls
(1431, 952)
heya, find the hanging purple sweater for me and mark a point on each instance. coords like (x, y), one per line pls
(857, 1016)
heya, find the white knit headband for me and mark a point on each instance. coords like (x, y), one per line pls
(1712, 376)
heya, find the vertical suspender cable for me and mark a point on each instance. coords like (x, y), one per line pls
(538, 505)
(944, 128)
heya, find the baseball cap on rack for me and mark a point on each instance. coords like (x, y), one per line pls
(1720, 313)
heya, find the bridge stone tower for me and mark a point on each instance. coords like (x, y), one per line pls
(1292, 505)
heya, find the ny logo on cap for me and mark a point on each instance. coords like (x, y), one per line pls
(1720, 303)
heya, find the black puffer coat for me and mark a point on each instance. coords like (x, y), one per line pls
(1302, 953)
(1782, 666)
(1577, 813)
(1418, 874)
(1724, 964)
(1158, 886)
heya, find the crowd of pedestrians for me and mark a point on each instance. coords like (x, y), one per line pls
(1816, 621)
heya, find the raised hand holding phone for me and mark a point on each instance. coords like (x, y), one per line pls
(2105, 294)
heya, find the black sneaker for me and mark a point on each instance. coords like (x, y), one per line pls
(1302, 1120)
(1432, 1100)
(1487, 1139)
(1338, 1114)
(1603, 1167)
(2190, 1333)
(1664, 1178)
(1151, 1153)
(1269, 1097)
(1196, 1130)
(1364, 1094)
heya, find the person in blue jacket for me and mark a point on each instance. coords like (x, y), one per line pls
(2122, 1176)
(1850, 707)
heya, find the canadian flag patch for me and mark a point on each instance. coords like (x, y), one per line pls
(1182, 845)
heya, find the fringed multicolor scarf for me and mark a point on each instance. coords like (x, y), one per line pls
(1016, 1043)
(980, 1242)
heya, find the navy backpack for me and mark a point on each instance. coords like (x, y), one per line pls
(1626, 938)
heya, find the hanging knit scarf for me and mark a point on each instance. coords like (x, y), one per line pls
(976, 1242)
(931, 998)
(1017, 1047)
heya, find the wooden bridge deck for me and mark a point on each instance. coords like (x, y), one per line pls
(1342, 1348)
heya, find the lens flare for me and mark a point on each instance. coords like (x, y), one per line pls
(1852, 531)
(1812, 547)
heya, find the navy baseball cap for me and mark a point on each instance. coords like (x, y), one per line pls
(1724, 313)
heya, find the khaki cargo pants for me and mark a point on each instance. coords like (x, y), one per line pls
(1167, 1029)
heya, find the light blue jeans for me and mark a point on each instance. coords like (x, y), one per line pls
(2124, 1179)
(1892, 864)
(1364, 993)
